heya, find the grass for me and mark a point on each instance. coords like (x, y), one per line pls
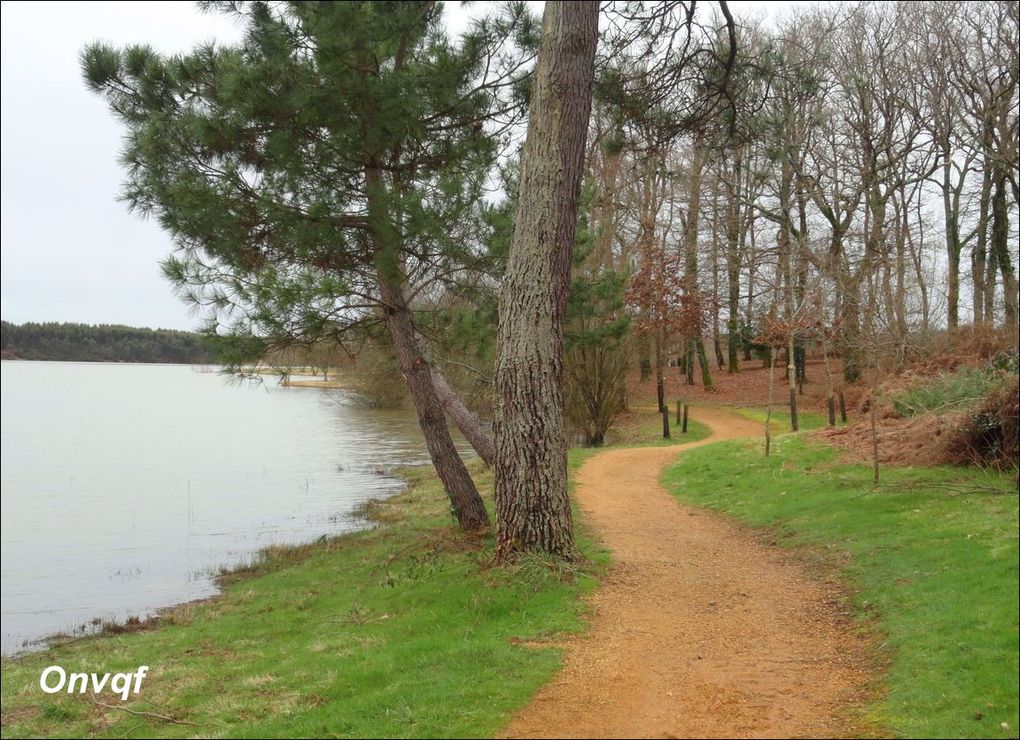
(933, 570)
(949, 392)
(780, 419)
(642, 427)
(399, 631)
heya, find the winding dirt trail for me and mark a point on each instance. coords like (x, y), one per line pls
(698, 630)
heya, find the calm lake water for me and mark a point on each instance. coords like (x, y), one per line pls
(126, 487)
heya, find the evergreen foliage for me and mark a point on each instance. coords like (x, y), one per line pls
(257, 158)
(102, 343)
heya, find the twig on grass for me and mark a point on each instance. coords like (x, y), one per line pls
(138, 713)
(953, 489)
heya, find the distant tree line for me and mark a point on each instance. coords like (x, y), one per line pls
(101, 343)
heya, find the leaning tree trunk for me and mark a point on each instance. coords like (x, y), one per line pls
(532, 504)
(466, 504)
(467, 421)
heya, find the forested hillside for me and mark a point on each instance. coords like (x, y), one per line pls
(101, 343)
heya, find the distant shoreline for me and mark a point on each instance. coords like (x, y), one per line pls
(57, 342)
(111, 362)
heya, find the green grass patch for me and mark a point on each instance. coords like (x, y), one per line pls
(779, 422)
(932, 564)
(948, 392)
(642, 427)
(400, 631)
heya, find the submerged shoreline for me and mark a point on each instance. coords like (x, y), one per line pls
(162, 475)
(400, 598)
(360, 517)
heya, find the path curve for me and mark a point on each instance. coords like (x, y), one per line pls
(698, 630)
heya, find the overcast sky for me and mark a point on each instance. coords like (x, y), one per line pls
(70, 250)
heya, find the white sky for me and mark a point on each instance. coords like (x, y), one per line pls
(69, 251)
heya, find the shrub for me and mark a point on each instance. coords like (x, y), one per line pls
(990, 435)
(948, 392)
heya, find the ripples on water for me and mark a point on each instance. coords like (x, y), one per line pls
(126, 487)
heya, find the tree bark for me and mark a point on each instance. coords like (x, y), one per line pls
(768, 409)
(979, 254)
(467, 421)
(716, 341)
(695, 342)
(733, 255)
(953, 247)
(532, 504)
(1000, 248)
(791, 374)
(466, 504)
(751, 269)
(660, 373)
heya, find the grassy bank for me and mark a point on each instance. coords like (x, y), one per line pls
(779, 422)
(642, 427)
(931, 557)
(398, 631)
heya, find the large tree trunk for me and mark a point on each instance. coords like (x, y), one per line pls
(532, 505)
(1000, 248)
(979, 254)
(915, 256)
(716, 341)
(953, 246)
(850, 333)
(751, 270)
(733, 255)
(786, 259)
(695, 342)
(660, 373)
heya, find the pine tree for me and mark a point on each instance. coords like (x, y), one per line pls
(319, 177)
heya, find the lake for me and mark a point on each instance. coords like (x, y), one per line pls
(126, 488)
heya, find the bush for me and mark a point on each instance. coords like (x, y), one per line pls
(1008, 362)
(948, 392)
(991, 435)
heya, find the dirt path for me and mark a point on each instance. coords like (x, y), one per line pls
(697, 630)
